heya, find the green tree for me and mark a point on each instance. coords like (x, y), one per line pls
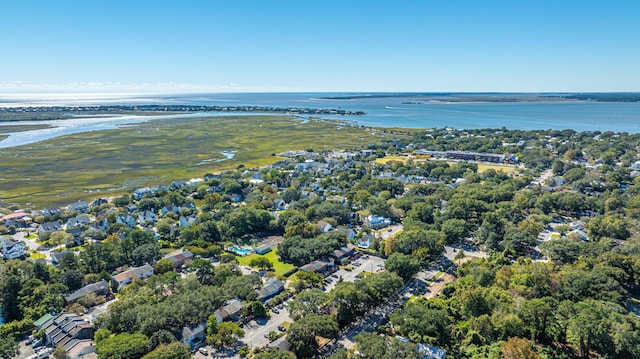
(302, 334)
(261, 263)
(307, 302)
(403, 265)
(8, 347)
(123, 346)
(454, 230)
(171, 351)
(258, 310)
(274, 354)
(163, 266)
(223, 334)
(372, 346)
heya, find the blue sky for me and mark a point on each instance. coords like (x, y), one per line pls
(192, 46)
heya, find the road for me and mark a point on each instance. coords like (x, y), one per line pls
(368, 321)
(390, 231)
(33, 245)
(254, 331)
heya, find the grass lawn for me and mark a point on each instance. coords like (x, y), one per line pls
(483, 167)
(36, 255)
(103, 163)
(279, 267)
(387, 159)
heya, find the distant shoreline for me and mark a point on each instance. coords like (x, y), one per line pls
(497, 97)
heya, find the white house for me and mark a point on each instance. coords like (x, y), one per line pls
(11, 249)
(376, 222)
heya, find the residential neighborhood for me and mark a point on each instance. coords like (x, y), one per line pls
(234, 262)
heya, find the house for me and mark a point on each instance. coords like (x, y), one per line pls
(100, 289)
(50, 227)
(170, 208)
(145, 217)
(78, 221)
(97, 202)
(192, 335)
(62, 329)
(127, 220)
(178, 184)
(80, 349)
(279, 204)
(13, 217)
(377, 222)
(263, 249)
(431, 352)
(181, 259)
(342, 252)
(316, 267)
(119, 281)
(270, 289)
(80, 207)
(56, 257)
(51, 211)
(579, 232)
(324, 226)
(230, 311)
(365, 241)
(100, 224)
(188, 221)
(350, 233)
(141, 192)
(75, 240)
(132, 208)
(12, 249)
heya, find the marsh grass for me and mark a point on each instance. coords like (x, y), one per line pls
(102, 163)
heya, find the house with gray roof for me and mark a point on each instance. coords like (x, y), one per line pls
(100, 289)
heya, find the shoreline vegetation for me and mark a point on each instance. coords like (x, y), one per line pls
(498, 97)
(119, 109)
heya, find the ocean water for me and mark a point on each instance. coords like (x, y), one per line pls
(437, 111)
(461, 111)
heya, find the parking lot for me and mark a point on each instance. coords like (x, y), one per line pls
(371, 264)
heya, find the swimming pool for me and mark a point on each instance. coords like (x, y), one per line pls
(240, 251)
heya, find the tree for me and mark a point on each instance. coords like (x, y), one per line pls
(372, 346)
(162, 266)
(261, 263)
(302, 333)
(307, 302)
(59, 353)
(403, 265)
(538, 315)
(146, 253)
(72, 279)
(258, 310)
(518, 348)
(8, 347)
(122, 346)
(210, 232)
(223, 334)
(454, 230)
(274, 354)
(171, 351)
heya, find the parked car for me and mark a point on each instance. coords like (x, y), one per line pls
(281, 328)
(275, 310)
(203, 351)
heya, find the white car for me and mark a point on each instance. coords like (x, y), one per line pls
(203, 351)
